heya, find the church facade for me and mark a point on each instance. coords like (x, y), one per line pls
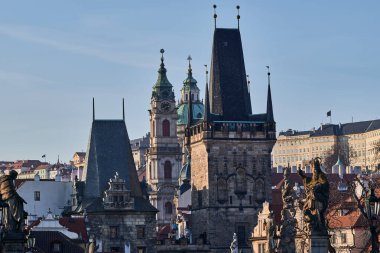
(164, 155)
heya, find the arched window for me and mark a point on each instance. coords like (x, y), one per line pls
(165, 128)
(168, 170)
(168, 208)
(153, 129)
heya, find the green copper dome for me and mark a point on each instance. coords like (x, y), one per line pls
(163, 89)
(198, 109)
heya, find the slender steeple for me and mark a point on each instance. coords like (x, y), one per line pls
(270, 117)
(206, 114)
(93, 109)
(123, 111)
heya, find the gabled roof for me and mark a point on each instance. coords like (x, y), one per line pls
(229, 95)
(109, 151)
(46, 239)
(80, 154)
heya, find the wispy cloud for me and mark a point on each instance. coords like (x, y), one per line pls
(70, 43)
(22, 80)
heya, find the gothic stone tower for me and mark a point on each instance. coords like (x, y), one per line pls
(117, 213)
(164, 155)
(230, 151)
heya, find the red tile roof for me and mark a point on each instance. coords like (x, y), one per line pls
(75, 224)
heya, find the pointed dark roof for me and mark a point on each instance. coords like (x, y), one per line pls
(270, 117)
(109, 151)
(206, 114)
(229, 95)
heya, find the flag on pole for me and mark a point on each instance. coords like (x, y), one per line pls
(43, 156)
(329, 113)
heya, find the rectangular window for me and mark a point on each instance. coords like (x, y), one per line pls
(114, 232)
(37, 196)
(140, 232)
(230, 200)
(57, 247)
(343, 238)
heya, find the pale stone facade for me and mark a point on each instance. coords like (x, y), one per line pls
(164, 155)
(360, 141)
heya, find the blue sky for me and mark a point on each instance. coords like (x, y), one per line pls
(56, 55)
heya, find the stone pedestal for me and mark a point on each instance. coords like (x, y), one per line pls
(319, 244)
(14, 243)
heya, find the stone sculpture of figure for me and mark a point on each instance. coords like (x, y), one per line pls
(14, 215)
(317, 197)
(234, 244)
(287, 232)
(288, 222)
(287, 191)
(271, 234)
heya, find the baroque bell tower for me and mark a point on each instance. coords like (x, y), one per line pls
(164, 155)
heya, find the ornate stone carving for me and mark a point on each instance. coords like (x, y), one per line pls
(289, 223)
(317, 198)
(14, 214)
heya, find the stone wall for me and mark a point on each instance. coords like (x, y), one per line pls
(127, 223)
(230, 180)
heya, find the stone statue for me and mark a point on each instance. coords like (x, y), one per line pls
(287, 232)
(271, 234)
(287, 191)
(234, 244)
(14, 215)
(317, 198)
(288, 222)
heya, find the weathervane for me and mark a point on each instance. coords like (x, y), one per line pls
(206, 73)
(215, 16)
(162, 51)
(268, 75)
(248, 84)
(189, 59)
(238, 16)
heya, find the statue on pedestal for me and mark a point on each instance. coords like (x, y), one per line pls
(14, 215)
(271, 234)
(317, 198)
(288, 222)
(234, 244)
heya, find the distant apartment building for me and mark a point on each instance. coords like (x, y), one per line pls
(139, 147)
(357, 144)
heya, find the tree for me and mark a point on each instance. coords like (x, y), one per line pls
(361, 189)
(338, 151)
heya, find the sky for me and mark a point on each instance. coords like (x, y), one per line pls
(55, 56)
